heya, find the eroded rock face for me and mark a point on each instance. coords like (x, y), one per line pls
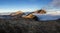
(17, 15)
(30, 16)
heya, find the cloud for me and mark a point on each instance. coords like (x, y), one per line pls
(7, 10)
(55, 3)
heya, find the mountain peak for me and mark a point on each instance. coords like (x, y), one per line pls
(16, 13)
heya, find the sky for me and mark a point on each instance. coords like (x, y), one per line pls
(25, 5)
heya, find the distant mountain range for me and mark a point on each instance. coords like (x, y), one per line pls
(41, 14)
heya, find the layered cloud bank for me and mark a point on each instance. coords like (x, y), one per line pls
(48, 16)
(53, 11)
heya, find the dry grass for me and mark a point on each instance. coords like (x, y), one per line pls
(29, 26)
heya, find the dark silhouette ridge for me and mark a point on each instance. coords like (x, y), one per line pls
(29, 26)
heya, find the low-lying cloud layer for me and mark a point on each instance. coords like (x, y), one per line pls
(45, 17)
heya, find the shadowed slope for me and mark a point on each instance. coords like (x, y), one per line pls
(29, 26)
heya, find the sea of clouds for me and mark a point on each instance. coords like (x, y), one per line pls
(48, 16)
(53, 11)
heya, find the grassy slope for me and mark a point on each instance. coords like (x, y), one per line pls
(29, 26)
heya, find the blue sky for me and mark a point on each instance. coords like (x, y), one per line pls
(23, 5)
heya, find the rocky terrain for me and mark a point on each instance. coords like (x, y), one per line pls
(17, 24)
(22, 25)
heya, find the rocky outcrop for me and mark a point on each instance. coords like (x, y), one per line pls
(30, 16)
(40, 11)
(16, 13)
